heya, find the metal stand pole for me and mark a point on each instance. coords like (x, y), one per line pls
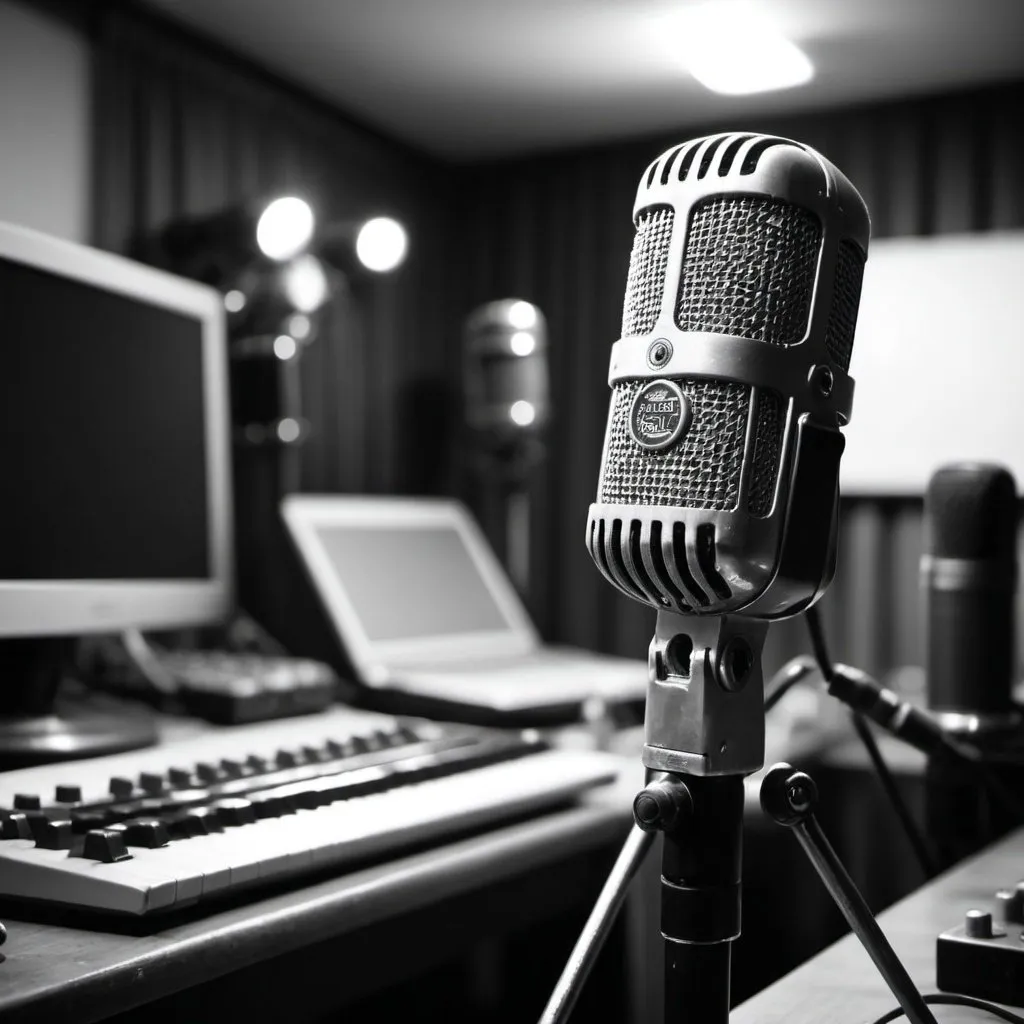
(700, 902)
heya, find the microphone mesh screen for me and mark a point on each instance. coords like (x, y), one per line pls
(768, 419)
(647, 263)
(749, 269)
(842, 317)
(701, 471)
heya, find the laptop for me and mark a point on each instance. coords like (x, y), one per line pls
(424, 610)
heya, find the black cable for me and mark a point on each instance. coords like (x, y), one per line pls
(818, 645)
(913, 833)
(786, 678)
(955, 1000)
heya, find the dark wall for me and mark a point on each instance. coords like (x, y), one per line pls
(557, 230)
(183, 128)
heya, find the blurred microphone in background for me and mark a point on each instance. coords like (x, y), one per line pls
(506, 410)
(969, 579)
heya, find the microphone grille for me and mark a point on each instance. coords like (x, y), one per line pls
(701, 471)
(842, 317)
(971, 512)
(749, 269)
(767, 444)
(647, 264)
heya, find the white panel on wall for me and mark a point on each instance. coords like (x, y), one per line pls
(938, 360)
(44, 123)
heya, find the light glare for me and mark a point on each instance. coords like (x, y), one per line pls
(522, 413)
(234, 301)
(288, 430)
(522, 315)
(738, 53)
(381, 244)
(299, 326)
(284, 347)
(305, 283)
(522, 343)
(285, 228)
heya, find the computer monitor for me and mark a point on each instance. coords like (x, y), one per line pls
(115, 505)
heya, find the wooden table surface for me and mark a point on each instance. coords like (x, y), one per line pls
(841, 985)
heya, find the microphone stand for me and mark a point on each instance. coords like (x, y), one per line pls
(703, 733)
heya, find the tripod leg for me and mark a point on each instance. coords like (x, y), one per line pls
(598, 925)
(789, 797)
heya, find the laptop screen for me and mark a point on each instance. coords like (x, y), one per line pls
(411, 581)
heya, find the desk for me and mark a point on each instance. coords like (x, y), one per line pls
(841, 985)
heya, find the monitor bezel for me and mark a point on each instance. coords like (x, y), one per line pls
(376, 660)
(30, 608)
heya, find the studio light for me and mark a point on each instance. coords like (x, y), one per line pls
(381, 244)
(285, 228)
(738, 52)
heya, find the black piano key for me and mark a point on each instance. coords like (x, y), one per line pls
(233, 769)
(26, 802)
(37, 821)
(146, 832)
(87, 821)
(270, 804)
(14, 825)
(151, 782)
(234, 811)
(287, 759)
(68, 794)
(315, 755)
(209, 817)
(256, 763)
(55, 835)
(187, 823)
(105, 845)
(121, 787)
(180, 778)
(210, 773)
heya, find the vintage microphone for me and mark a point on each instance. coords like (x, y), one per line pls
(717, 501)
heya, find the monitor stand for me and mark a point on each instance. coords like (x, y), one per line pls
(47, 714)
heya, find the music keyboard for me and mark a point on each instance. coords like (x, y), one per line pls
(193, 819)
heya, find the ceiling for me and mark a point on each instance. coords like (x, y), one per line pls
(472, 79)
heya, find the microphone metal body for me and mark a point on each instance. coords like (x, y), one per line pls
(717, 502)
(969, 577)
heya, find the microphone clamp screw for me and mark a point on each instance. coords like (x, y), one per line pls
(821, 378)
(659, 353)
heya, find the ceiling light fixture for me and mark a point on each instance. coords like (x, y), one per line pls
(737, 52)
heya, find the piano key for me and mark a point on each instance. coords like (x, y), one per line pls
(147, 832)
(14, 825)
(121, 787)
(54, 835)
(68, 794)
(105, 845)
(26, 802)
(151, 782)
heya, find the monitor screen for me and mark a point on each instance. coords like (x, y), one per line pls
(115, 502)
(106, 417)
(411, 582)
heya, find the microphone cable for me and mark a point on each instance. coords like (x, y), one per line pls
(885, 777)
(951, 999)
